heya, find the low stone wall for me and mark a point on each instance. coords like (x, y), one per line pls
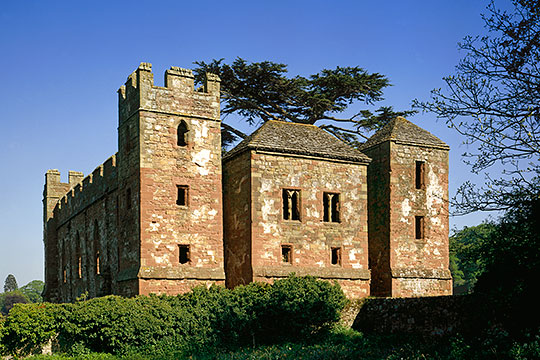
(425, 316)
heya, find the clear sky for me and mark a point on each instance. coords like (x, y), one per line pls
(62, 62)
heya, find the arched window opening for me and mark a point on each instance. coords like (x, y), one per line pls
(181, 132)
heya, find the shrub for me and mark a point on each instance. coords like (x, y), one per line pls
(203, 320)
(2, 328)
(305, 306)
(30, 326)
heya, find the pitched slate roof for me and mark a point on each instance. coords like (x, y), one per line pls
(404, 131)
(301, 139)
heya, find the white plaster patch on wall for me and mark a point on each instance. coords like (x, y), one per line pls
(164, 259)
(201, 132)
(269, 228)
(201, 159)
(435, 220)
(267, 208)
(311, 212)
(405, 210)
(319, 263)
(171, 247)
(434, 192)
(154, 226)
(266, 185)
(352, 254)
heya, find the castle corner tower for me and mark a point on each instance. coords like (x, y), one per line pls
(408, 212)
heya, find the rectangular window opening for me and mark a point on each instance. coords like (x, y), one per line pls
(336, 255)
(419, 227)
(291, 204)
(182, 195)
(419, 177)
(331, 207)
(286, 254)
(184, 256)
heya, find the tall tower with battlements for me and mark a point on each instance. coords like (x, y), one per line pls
(149, 220)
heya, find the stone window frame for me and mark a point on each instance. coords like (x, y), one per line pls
(186, 191)
(187, 254)
(420, 174)
(183, 141)
(338, 250)
(330, 218)
(419, 227)
(298, 205)
(290, 251)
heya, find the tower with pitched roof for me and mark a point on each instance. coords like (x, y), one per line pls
(408, 211)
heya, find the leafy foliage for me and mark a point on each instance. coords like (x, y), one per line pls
(512, 263)
(467, 248)
(261, 91)
(199, 321)
(29, 326)
(10, 284)
(9, 299)
(493, 100)
(33, 290)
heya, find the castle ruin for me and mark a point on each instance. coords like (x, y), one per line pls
(168, 212)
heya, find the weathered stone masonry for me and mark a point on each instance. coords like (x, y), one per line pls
(156, 217)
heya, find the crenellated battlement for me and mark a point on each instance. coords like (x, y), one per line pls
(177, 96)
(88, 190)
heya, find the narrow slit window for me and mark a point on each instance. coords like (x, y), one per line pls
(184, 256)
(98, 270)
(419, 227)
(182, 195)
(64, 275)
(420, 174)
(181, 133)
(336, 256)
(97, 247)
(286, 254)
(331, 207)
(291, 204)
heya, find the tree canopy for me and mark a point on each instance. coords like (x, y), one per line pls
(494, 101)
(261, 91)
(10, 284)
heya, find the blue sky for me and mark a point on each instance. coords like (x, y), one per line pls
(62, 62)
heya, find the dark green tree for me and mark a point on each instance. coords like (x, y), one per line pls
(493, 100)
(261, 91)
(467, 248)
(33, 290)
(10, 284)
(511, 261)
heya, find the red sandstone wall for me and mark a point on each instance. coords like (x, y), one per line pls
(237, 219)
(310, 237)
(164, 225)
(419, 266)
(379, 219)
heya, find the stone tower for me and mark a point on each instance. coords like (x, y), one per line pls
(408, 211)
(169, 182)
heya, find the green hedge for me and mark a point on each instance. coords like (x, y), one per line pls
(295, 308)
